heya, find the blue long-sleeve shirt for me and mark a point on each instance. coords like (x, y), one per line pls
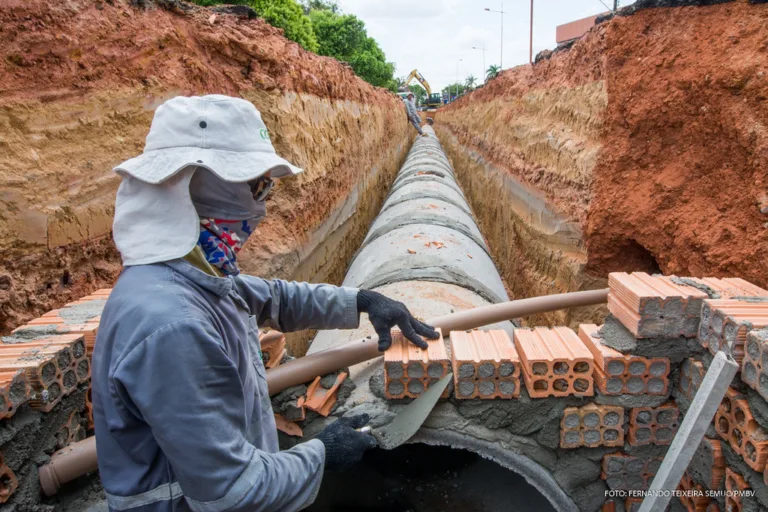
(181, 408)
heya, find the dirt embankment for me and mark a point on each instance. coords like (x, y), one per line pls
(649, 134)
(79, 81)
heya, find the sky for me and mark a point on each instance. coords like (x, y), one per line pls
(432, 35)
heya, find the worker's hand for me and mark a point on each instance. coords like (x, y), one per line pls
(385, 313)
(345, 446)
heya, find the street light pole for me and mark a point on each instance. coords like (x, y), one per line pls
(457, 77)
(501, 59)
(530, 51)
(483, 48)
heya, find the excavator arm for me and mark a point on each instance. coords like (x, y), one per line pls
(433, 100)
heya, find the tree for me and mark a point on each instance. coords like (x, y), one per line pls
(419, 94)
(492, 72)
(470, 82)
(455, 89)
(288, 15)
(320, 5)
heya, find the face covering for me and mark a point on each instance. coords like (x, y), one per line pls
(228, 216)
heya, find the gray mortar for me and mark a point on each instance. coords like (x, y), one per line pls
(466, 371)
(758, 406)
(415, 370)
(549, 435)
(486, 388)
(755, 300)
(396, 388)
(466, 388)
(612, 419)
(615, 367)
(415, 386)
(574, 471)
(81, 313)
(700, 468)
(590, 497)
(618, 337)
(522, 416)
(27, 440)
(614, 385)
(376, 384)
(628, 401)
(486, 370)
(506, 369)
(753, 478)
(507, 387)
(592, 436)
(395, 370)
(591, 420)
(33, 333)
(655, 386)
(435, 370)
(637, 368)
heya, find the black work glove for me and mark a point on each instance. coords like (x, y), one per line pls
(344, 446)
(384, 313)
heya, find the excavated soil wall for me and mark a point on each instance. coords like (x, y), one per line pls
(641, 147)
(79, 81)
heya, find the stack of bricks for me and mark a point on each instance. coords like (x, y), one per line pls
(619, 374)
(555, 362)
(735, 423)
(485, 365)
(754, 367)
(624, 472)
(648, 425)
(710, 462)
(592, 425)
(655, 306)
(409, 370)
(52, 366)
(726, 323)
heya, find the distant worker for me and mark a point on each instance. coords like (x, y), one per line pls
(413, 114)
(181, 406)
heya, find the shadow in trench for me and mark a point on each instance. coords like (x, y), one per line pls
(421, 478)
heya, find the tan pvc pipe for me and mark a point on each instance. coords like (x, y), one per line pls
(80, 458)
(67, 464)
(306, 368)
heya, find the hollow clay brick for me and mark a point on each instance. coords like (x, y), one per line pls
(731, 287)
(8, 483)
(693, 496)
(735, 423)
(654, 306)
(711, 457)
(592, 425)
(735, 484)
(288, 427)
(485, 365)
(649, 425)
(272, 348)
(322, 400)
(555, 362)
(46, 397)
(14, 391)
(726, 323)
(626, 472)
(43, 361)
(409, 370)
(624, 374)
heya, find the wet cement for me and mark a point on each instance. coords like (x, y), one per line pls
(618, 337)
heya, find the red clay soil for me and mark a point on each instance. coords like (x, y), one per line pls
(61, 55)
(683, 172)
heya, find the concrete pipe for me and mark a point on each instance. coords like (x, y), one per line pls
(426, 250)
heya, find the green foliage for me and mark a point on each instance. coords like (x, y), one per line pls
(288, 15)
(470, 82)
(419, 94)
(343, 36)
(492, 72)
(320, 26)
(452, 88)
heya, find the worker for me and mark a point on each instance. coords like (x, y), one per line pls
(412, 113)
(182, 412)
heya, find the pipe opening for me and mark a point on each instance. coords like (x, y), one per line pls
(423, 478)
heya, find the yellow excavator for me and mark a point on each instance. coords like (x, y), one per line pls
(433, 100)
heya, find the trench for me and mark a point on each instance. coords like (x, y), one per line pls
(425, 249)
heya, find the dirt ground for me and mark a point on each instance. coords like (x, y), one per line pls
(650, 132)
(79, 81)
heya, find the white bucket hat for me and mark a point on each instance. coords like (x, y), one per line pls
(155, 219)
